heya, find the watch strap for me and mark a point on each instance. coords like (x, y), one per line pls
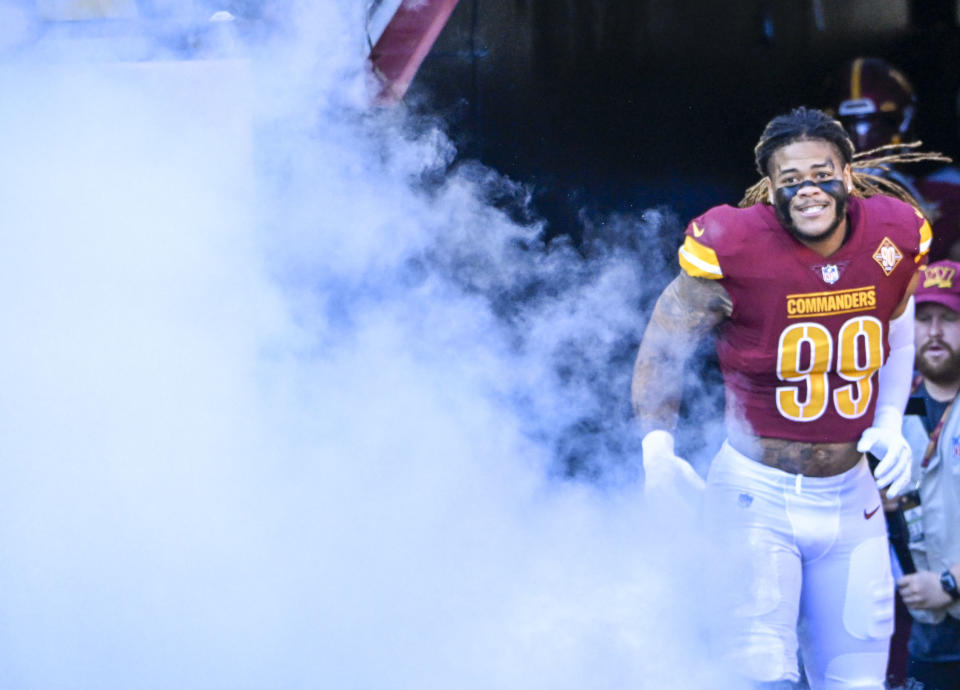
(949, 584)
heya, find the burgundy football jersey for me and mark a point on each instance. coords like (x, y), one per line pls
(807, 334)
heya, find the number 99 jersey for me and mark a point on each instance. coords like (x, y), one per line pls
(807, 334)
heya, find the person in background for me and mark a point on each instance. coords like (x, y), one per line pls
(932, 509)
(876, 104)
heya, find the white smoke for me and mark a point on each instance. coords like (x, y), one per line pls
(283, 393)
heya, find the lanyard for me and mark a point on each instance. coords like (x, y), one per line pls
(935, 434)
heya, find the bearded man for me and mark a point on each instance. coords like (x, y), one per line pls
(932, 509)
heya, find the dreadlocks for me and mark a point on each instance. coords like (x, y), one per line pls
(803, 124)
(800, 124)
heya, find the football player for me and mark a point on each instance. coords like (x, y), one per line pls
(808, 288)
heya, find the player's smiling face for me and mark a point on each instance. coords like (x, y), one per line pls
(808, 187)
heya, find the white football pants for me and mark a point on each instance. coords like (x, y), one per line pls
(807, 550)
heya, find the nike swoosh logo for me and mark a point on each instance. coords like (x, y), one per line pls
(867, 516)
(697, 230)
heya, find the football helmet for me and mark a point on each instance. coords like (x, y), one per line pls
(874, 102)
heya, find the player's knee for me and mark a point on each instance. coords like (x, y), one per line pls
(863, 671)
(766, 656)
(868, 607)
(764, 644)
(772, 575)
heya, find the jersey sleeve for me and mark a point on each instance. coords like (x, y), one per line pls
(696, 255)
(926, 239)
(917, 228)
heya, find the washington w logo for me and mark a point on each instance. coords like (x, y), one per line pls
(939, 276)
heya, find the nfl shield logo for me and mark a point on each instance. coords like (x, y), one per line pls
(831, 273)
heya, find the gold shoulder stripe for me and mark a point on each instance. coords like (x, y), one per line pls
(699, 261)
(926, 237)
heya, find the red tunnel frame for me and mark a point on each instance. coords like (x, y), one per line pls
(404, 43)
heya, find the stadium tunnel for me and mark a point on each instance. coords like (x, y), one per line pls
(596, 108)
(624, 105)
(616, 105)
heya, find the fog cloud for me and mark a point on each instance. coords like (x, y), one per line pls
(290, 397)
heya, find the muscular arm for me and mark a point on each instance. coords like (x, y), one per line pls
(686, 310)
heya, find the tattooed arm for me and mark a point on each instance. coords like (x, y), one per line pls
(686, 310)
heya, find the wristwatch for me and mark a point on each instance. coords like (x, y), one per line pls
(949, 584)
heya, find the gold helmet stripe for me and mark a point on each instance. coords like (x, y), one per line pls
(855, 75)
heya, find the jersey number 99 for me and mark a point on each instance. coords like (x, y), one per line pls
(804, 356)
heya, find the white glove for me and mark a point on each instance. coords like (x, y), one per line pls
(663, 469)
(884, 440)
